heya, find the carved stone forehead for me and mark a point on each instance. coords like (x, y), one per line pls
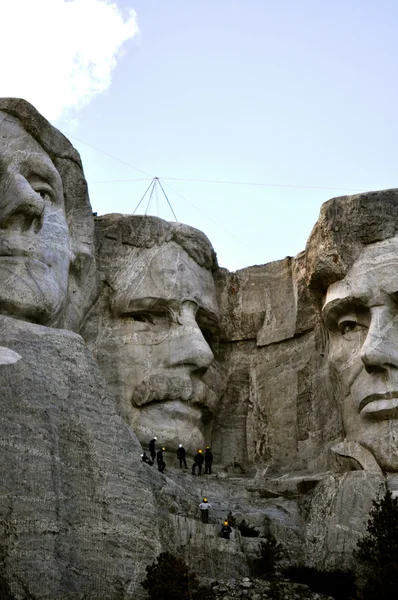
(345, 226)
(17, 145)
(165, 273)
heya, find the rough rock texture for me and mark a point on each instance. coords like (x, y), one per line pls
(77, 515)
(151, 327)
(71, 203)
(299, 404)
(277, 411)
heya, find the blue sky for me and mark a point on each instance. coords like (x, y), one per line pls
(289, 93)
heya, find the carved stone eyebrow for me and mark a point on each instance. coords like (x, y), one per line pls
(331, 310)
(38, 165)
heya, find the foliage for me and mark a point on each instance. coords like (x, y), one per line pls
(247, 530)
(271, 553)
(5, 592)
(168, 578)
(232, 520)
(377, 551)
(338, 584)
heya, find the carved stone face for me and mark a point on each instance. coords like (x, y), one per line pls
(361, 313)
(34, 236)
(153, 348)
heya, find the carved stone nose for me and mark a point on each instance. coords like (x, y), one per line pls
(22, 208)
(380, 349)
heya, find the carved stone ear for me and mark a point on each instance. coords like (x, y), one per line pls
(355, 456)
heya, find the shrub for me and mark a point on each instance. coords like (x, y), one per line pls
(247, 530)
(377, 551)
(338, 584)
(5, 592)
(232, 520)
(168, 578)
(271, 553)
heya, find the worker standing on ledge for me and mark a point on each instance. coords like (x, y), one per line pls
(152, 448)
(198, 462)
(181, 454)
(208, 460)
(160, 460)
(204, 510)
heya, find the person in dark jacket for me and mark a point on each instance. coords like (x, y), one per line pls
(146, 459)
(152, 448)
(181, 454)
(226, 530)
(198, 462)
(160, 460)
(208, 460)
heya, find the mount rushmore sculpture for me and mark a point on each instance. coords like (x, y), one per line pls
(116, 328)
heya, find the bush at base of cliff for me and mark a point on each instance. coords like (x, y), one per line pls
(377, 551)
(5, 592)
(338, 584)
(271, 553)
(168, 578)
(247, 530)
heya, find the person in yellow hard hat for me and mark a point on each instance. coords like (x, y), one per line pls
(160, 460)
(198, 461)
(204, 510)
(226, 530)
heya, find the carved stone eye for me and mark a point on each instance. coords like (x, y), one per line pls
(45, 194)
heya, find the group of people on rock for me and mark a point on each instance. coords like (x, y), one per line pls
(204, 507)
(198, 460)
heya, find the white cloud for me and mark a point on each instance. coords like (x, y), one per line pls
(59, 54)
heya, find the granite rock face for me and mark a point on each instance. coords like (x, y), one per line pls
(47, 265)
(152, 326)
(287, 370)
(77, 513)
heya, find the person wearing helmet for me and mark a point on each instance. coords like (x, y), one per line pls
(146, 458)
(226, 530)
(181, 454)
(160, 460)
(198, 462)
(204, 510)
(208, 460)
(152, 448)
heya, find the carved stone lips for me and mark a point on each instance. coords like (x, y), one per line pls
(383, 405)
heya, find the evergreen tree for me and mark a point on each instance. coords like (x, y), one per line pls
(168, 578)
(377, 551)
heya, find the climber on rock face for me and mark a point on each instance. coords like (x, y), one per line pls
(226, 530)
(181, 454)
(152, 448)
(198, 462)
(204, 510)
(208, 460)
(160, 460)
(146, 459)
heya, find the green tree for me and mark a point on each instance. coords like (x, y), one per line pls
(377, 551)
(168, 578)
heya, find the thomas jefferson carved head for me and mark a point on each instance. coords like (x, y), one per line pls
(352, 260)
(152, 327)
(47, 268)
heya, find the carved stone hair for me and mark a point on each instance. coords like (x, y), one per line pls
(143, 231)
(82, 277)
(345, 226)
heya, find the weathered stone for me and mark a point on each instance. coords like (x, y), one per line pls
(77, 514)
(152, 327)
(47, 267)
